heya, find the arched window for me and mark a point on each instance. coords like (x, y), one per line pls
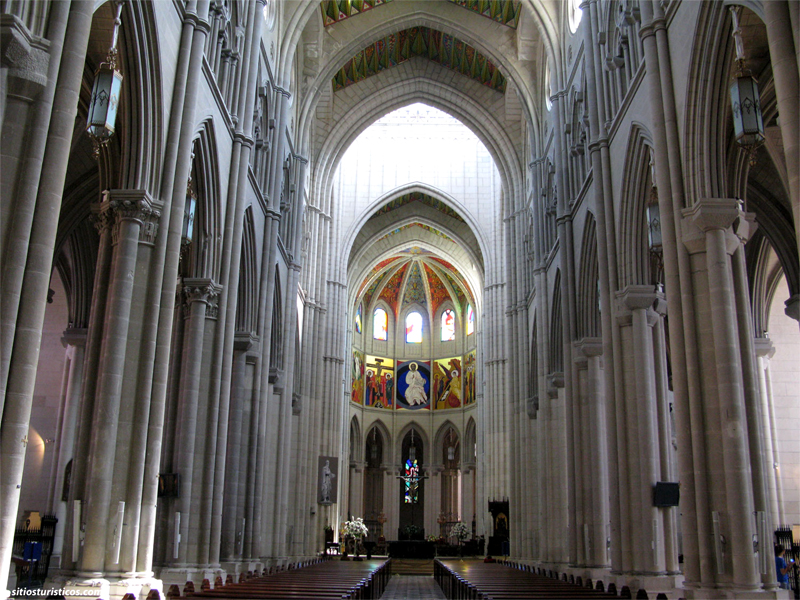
(470, 320)
(575, 14)
(448, 326)
(358, 319)
(380, 324)
(411, 481)
(414, 328)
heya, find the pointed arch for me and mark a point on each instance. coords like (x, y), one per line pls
(356, 441)
(636, 190)
(588, 291)
(276, 334)
(246, 306)
(556, 349)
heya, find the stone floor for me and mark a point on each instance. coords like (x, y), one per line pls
(411, 587)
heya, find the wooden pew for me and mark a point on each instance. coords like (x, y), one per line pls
(324, 580)
(473, 580)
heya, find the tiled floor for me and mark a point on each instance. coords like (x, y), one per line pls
(405, 587)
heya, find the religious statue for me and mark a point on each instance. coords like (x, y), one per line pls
(415, 392)
(327, 482)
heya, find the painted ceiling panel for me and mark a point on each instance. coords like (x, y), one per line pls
(439, 293)
(415, 289)
(391, 291)
(434, 45)
(502, 11)
(375, 271)
(425, 227)
(334, 11)
(418, 197)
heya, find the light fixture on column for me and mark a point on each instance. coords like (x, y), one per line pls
(654, 240)
(104, 101)
(748, 124)
(189, 209)
(451, 453)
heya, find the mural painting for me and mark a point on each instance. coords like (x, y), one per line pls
(469, 378)
(357, 391)
(414, 385)
(379, 382)
(447, 383)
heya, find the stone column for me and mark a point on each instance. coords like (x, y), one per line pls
(709, 236)
(786, 69)
(128, 209)
(641, 428)
(75, 342)
(391, 501)
(433, 498)
(198, 295)
(595, 457)
(356, 494)
(24, 355)
(765, 350)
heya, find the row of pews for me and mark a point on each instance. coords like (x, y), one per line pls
(476, 580)
(333, 579)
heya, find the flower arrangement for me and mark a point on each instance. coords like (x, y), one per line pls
(459, 531)
(356, 528)
(432, 538)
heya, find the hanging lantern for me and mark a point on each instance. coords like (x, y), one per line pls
(654, 227)
(748, 123)
(188, 214)
(104, 101)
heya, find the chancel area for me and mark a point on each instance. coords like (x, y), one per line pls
(287, 282)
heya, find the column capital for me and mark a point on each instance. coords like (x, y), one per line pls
(26, 57)
(196, 289)
(589, 346)
(764, 347)
(639, 296)
(129, 205)
(554, 381)
(243, 341)
(74, 336)
(715, 214)
(793, 307)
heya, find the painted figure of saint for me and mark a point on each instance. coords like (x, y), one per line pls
(415, 393)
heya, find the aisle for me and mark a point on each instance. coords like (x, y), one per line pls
(412, 588)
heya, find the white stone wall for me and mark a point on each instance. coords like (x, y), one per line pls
(784, 333)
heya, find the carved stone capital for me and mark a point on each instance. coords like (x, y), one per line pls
(793, 307)
(74, 336)
(129, 205)
(554, 382)
(203, 290)
(716, 214)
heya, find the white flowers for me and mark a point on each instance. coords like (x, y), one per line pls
(356, 528)
(459, 531)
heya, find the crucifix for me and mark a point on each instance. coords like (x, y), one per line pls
(381, 384)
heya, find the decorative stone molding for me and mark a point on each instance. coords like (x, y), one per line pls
(74, 337)
(532, 406)
(638, 297)
(764, 347)
(129, 205)
(554, 382)
(243, 341)
(27, 58)
(201, 290)
(710, 214)
(793, 307)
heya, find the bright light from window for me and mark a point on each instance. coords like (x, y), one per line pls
(380, 324)
(448, 326)
(470, 320)
(414, 328)
(575, 14)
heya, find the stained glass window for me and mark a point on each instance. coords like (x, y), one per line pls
(448, 326)
(412, 481)
(358, 319)
(380, 324)
(470, 320)
(414, 328)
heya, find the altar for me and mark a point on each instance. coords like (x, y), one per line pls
(412, 549)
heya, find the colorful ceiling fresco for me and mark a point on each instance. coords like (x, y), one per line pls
(391, 291)
(418, 197)
(416, 250)
(425, 227)
(334, 11)
(432, 44)
(438, 292)
(424, 280)
(502, 11)
(415, 289)
(375, 271)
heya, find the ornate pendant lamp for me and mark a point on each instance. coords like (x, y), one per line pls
(748, 124)
(104, 101)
